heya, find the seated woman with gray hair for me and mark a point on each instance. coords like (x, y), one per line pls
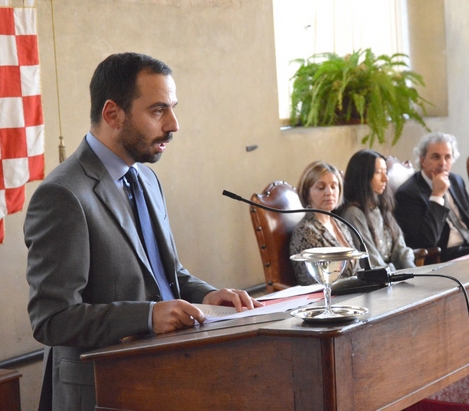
(320, 187)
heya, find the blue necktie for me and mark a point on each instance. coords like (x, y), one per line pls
(147, 234)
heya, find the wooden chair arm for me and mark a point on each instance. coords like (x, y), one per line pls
(420, 254)
(426, 256)
(433, 256)
(279, 286)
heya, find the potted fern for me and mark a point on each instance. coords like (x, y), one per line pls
(359, 88)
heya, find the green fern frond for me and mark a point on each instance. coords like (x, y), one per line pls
(376, 90)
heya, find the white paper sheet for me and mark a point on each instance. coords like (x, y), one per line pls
(220, 313)
(292, 291)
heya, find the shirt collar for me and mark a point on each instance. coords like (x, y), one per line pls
(115, 166)
(429, 182)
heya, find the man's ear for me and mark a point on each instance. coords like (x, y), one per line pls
(113, 115)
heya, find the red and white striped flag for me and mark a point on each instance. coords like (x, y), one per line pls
(21, 116)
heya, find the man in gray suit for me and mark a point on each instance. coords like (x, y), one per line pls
(91, 282)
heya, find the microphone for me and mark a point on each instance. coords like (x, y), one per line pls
(380, 275)
(383, 275)
(372, 277)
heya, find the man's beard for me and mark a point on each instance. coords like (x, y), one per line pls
(134, 143)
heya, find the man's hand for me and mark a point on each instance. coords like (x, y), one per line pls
(238, 298)
(441, 183)
(175, 315)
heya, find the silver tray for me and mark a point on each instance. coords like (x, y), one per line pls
(329, 251)
(355, 255)
(343, 313)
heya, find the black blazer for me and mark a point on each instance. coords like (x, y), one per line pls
(423, 221)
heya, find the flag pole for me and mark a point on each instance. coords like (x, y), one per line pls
(62, 153)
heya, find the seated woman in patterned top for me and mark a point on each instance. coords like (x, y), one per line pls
(320, 187)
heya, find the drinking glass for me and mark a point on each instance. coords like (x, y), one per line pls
(325, 272)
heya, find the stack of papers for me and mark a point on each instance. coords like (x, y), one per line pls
(281, 301)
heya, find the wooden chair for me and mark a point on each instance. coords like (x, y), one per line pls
(398, 173)
(273, 232)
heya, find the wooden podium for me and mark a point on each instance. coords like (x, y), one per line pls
(413, 342)
(10, 390)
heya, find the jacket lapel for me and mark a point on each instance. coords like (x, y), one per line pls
(106, 190)
(423, 186)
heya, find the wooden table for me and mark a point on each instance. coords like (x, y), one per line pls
(413, 342)
(10, 390)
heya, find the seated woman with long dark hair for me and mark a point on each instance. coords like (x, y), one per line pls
(320, 187)
(369, 208)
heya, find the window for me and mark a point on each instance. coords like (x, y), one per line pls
(307, 27)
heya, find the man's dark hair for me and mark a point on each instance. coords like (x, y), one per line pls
(115, 79)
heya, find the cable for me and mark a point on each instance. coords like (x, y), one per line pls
(380, 275)
(367, 264)
(410, 275)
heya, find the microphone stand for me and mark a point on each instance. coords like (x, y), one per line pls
(376, 276)
(367, 279)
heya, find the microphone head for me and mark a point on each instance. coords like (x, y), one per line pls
(229, 194)
(234, 196)
(366, 261)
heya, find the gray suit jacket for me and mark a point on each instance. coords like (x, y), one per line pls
(90, 280)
